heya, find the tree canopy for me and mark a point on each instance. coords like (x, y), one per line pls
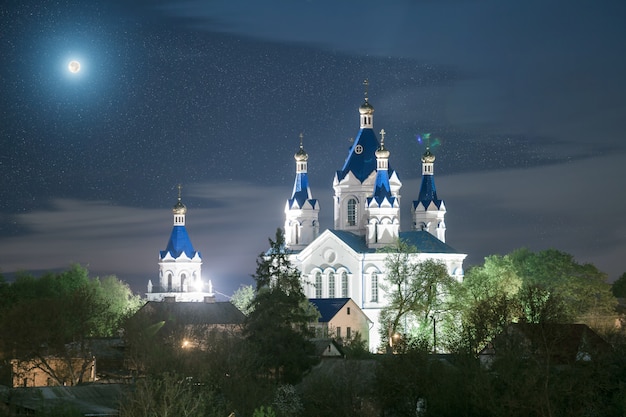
(416, 295)
(53, 316)
(278, 325)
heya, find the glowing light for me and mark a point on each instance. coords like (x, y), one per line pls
(425, 138)
(74, 66)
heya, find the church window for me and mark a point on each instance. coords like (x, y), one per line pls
(183, 282)
(318, 285)
(374, 287)
(169, 282)
(344, 284)
(352, 212)
(331, 285)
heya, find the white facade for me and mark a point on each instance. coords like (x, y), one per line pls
(346, 261)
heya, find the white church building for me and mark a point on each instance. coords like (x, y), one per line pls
(180, 265)
(345, 261)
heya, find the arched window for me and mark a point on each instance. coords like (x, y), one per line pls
(344, 284)
(352, 212)
(169, 282)
(374, 287)
(318, 285)
(183, 282)
(331, 285)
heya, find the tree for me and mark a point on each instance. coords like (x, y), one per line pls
(242, 298)
(619, 286)
(416, 291)
(51, 319)
(278, 326)
(583, 289)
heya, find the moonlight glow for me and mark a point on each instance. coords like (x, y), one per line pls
(74, 66)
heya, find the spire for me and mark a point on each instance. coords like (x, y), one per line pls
(301, 210)
(179, 242)
(382, 189)
(179, 209)
(428, 210)
(301, 190)
(428, 191)
(361, 160)
(366, 110)
(383, 208)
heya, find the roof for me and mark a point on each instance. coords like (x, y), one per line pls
(382, 189)
(92, 399)
(428, 192)
(328, 307)
(184, 313)
(301, 190)
(179, 243)
(422, 240)
(362, 163)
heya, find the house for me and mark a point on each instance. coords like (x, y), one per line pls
(38, 372)
(190, 323)
(556, 344)
(341, 319)
(327, 348)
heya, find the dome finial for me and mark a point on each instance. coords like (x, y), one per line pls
(179, 207)
(381, 152)
(301, 155)
(366, 83)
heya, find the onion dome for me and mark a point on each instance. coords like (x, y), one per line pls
(382, 152)
(179, 208)
(428, 157)
(366, 108)
(301, 155)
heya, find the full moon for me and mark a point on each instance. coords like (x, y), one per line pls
(74, 66)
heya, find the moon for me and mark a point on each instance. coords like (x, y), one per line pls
(74, 66)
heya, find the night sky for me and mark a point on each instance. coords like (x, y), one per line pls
(527, 101)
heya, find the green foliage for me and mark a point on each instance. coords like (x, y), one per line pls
(417, 294)
(263, 411)
(278, 326)
(542, 287)
(242, 299)
(55, 315)
(619, 287)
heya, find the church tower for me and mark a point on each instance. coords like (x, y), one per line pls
(301, 210)
(179, 265)
(428, 210)
(383, 208)
(354, 183)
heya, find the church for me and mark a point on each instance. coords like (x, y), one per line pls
(345, 261)
(180, 265)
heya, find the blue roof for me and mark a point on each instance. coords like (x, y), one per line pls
(428, 192)
(382, 189)
(364, 163)
(301, 190)
(179, 243)
(328, 307)
(422, 240)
